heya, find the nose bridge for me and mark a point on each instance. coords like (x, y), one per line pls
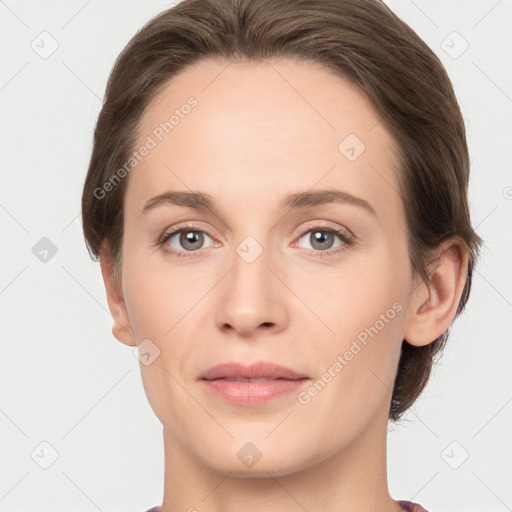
(250, 264)
(251, 295)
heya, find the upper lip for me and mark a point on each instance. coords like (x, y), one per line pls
(251, 371)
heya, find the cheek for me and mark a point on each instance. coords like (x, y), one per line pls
(356, 367)
(158, 308)
(153, 293)
(360, 311)
(350, 297)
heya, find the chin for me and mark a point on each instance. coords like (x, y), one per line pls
(244, 459)
(262, 469)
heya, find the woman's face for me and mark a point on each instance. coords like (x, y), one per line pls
(260, 273)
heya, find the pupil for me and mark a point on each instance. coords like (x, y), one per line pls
(321, 236)
(190, 238)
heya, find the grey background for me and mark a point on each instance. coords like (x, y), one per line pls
(66, 381)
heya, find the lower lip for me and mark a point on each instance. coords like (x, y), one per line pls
(252, 393)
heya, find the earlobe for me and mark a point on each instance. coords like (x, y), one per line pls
(121, 327)
(434, 306)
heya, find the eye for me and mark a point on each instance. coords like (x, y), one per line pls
(181, 241)
(323, 239)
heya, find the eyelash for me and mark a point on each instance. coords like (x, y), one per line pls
(348, 239)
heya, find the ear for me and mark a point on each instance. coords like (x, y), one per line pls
(434, 305)
(121, 328)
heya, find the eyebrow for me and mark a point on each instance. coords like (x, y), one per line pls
(203, 201)
(314, 198)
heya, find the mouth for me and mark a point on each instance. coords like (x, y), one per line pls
(251, 385)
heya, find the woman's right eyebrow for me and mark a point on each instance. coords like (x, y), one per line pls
(196, 200)
(306, 199)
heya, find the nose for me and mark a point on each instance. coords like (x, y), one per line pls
(252, 298)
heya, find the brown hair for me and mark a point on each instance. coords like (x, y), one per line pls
(362, 41)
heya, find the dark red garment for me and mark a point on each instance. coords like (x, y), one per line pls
(408, 505)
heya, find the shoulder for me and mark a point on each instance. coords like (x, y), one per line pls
(409, 506)
(154, 509)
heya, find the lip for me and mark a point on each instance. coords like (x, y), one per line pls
(224, 382)
(252, 371)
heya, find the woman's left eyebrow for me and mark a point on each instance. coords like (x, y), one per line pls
(306, 199)
(313, 198)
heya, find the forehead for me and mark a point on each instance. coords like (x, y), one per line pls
(254, 127)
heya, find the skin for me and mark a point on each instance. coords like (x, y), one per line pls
(261, 131)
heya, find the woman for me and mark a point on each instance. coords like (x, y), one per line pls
(238, 137)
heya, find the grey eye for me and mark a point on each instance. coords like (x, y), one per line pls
(321, 239)
(190, 240)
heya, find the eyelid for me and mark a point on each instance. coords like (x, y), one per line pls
(187, 225)
(328, 227)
